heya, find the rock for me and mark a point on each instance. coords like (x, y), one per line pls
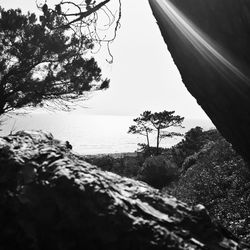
(51, 198)
(209, 42)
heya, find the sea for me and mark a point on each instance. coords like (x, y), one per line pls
(92, 134)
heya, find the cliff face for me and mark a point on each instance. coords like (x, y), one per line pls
(52, 199)
(209, 42)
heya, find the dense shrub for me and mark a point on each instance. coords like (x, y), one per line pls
(117, 167)
(146, 151)
(125, 166)
(193, 141)
(103, 162)
(220, 180)
(131, 166)
(188, 162)
(158, 171)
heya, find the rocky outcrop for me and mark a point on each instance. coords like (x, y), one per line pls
(52, 199)
(209, 42)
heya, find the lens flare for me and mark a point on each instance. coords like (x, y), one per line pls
(200, 41)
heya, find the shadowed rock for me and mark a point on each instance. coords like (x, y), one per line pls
(52, 199)
(209, 42)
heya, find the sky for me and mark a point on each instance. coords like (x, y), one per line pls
(143, 75)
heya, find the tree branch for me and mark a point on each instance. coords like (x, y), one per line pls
(81, 15)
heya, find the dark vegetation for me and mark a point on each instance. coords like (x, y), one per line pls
(51, 198)
(157, 122)
(45, 61)
(202, 169)
(38, 64)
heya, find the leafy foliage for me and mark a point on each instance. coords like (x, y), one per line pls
(158, 171)
(146, 151)
(38, 64)
(125, 166)
(148, 122)
(163, 120)
(142, 126)
(218, 178)
(193, 141)
(105, 162)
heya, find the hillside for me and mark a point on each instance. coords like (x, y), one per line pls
(202, 169)
(52, 199)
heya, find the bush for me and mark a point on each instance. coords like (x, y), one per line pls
(130, 166)
(193, 141)
(149, 151)
(158, 171)
(188, 162)
(218, 179)
(103, 162)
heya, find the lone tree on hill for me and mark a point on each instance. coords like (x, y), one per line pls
(38, 64)
(158, 122)
(142, 126)
(163, 120)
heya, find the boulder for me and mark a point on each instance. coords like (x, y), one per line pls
(50, 198)
(209, 42)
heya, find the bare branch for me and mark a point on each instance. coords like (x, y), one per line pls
(88, 12)
(85, 20)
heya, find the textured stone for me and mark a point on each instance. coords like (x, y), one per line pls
(216, 74)
(51, 198)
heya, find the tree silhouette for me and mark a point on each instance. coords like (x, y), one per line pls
(142, 126)
(39, 64)
(84, 18)
(163, 120)
(159, 122)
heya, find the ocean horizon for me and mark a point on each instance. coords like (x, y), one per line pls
(92, 134)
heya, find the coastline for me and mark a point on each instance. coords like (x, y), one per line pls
(113, 155)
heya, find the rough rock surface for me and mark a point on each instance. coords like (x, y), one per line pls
(213, 58)
(52, 199)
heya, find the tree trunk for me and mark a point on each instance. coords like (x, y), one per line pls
(2, 99)
(52, 199)
(147, 139)
(2, 108)
(158, 141)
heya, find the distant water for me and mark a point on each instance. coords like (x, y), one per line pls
(92, 134)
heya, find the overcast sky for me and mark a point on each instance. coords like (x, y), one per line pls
(143, 75)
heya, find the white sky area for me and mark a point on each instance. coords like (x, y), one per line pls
(143, 74)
